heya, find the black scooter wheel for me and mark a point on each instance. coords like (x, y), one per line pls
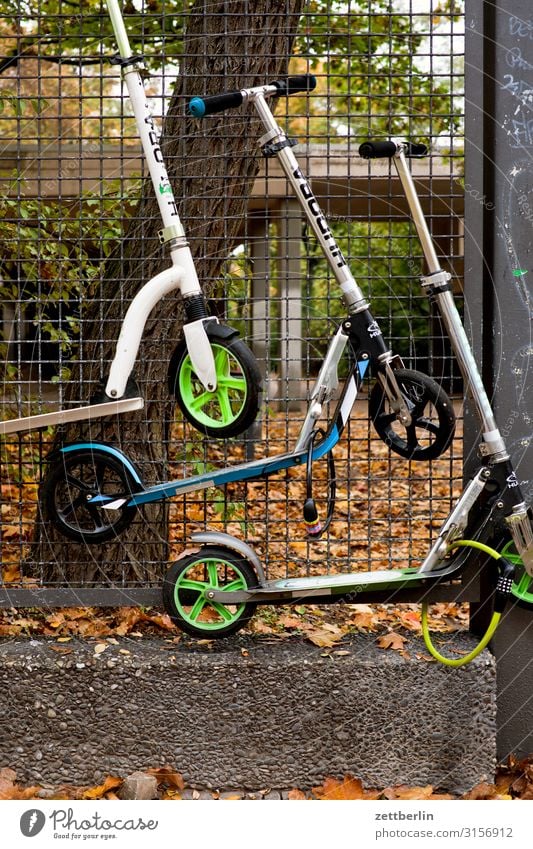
(70, 483)
(432, 417)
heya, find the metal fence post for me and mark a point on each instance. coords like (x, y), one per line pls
(498, 287)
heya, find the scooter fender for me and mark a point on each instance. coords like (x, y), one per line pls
(237, 545)
(101, 448)
(211, 331)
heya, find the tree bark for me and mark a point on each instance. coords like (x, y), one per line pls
(229, 44)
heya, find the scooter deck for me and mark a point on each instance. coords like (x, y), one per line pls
(332, 585)
(74, 414)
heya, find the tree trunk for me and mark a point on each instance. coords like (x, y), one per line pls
(212, 166)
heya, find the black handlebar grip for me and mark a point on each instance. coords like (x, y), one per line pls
(388, 149)
(292, 85)
(378, 149)
(414, 150)
(201, 106)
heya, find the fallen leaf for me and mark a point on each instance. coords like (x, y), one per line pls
(347, 788)
(168, 776)
(403, 791)
(484, 790)
(110, 783)
(10, 790)
(391, 641)
(55, 620)
(323, 638)
(295, 794)
(288, 621)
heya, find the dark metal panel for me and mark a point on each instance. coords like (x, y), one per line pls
(499, 287)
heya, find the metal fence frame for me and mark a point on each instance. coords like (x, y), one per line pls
(275, 299)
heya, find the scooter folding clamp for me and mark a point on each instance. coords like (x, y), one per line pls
(437, 282)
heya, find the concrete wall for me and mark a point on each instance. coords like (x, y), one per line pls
(282, 715)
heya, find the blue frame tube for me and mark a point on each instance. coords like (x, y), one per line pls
(243, 471)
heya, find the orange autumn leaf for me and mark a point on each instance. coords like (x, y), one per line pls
(10, 790)
(296, 794)
(110, 783)
(129, 617)
(9, 575)
(391, 641)
(162, 620)
(403, 791)
(484, 790)
(168, 776)
(288, 621)
(348, 788)
(326, 636)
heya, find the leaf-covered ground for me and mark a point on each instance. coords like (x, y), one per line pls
(322, 626)
(513, 781)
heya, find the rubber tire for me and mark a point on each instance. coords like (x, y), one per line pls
(208, 552)
(250, 370)
(57, 476)
(433, 394)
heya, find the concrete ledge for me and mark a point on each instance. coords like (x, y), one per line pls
(248, 713)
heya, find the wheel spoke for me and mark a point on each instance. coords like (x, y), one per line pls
(237, 584)
(79, 484)
(189, 584)
(212, 572)
(386, 419)
(197, 608)
(197, 404)
(70, 509)
(232, 382)
(100, 472)
(524, 583)
(222, 610)
(221, 363)
(412, 437)
(224, 403)
(73, 505)
(427, 424)
(97, 516)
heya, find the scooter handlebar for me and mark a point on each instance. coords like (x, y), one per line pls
(292, 85)
(388, 149)
(199, 107)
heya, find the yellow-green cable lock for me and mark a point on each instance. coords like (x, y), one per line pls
(494, 622)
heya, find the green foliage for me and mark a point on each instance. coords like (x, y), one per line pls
(376, 81)
(59, 29)
(51, 256)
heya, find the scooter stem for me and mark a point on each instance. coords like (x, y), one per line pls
(182, 274)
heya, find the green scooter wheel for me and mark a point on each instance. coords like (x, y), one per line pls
(233, 406)
(189, 581)
(522, 588)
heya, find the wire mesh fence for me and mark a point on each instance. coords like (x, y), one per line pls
(73, 181)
